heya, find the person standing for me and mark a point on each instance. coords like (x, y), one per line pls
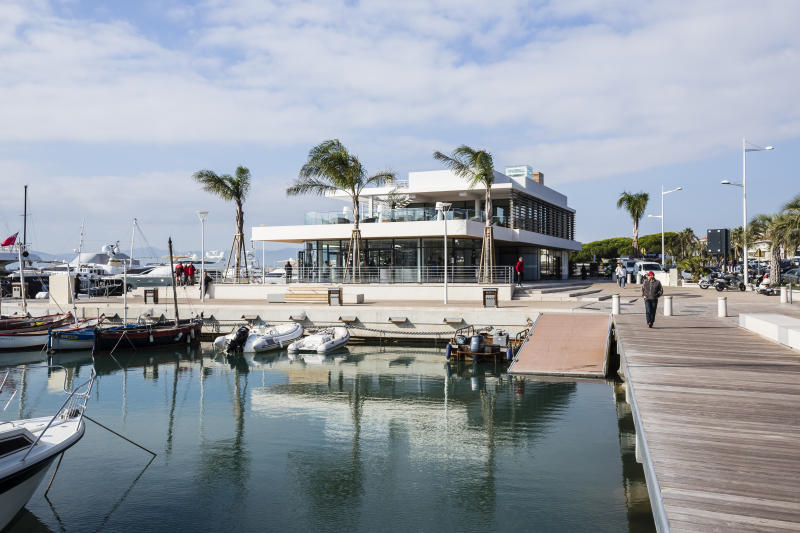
(288, 270)
(651, 292)
(621, 274)
(190, 272)
(179, 274)
(519, 268)
(207, 280)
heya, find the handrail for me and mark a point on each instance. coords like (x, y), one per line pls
(73, 401)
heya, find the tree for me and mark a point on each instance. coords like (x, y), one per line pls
(477, 167)
(331, 168)
(782, 230)
(686, 242)
(234, 190)
(634, 204)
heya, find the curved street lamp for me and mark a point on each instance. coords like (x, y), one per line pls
(746, 147)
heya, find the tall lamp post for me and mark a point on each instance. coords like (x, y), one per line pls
(661, 216)
(444, 207)
(202, 216)
(746, 147)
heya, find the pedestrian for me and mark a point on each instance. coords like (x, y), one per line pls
(207, 280)
(288, 270)
(621, 274)
(651, 292)
(179, 274)
(190, 272)
(583, 271)
(519, 268)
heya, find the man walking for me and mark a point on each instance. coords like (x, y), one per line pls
(621, 274)
(651, 292)
(519, 268)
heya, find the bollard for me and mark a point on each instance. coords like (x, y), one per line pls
(628, 279)
(615, 304)
(722, 306)
(789, 294)
(667, 305)
(784, 295)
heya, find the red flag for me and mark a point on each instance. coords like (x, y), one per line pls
(11, 240)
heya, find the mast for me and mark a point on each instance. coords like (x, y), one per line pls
(124, 294)
(133, 236)
(25, 219)
(22, 281)
(172, 275)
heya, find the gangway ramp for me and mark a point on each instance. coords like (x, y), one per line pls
(575, 345)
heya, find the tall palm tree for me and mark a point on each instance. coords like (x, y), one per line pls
(686, 242)
(634, 204)
(737, 242)
(331, 168)
(230, 189)
(776, 230)
(477, 167)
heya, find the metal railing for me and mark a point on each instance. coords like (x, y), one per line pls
(405, 214)
(73, 407)
(410, 274)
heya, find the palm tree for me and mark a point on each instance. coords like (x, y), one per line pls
(686, 242)
(634, 204)
(331, 168)
(477, 167)
(782, 230)
(234, 190)
(737, 243)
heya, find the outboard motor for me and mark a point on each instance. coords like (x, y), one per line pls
(236, 344)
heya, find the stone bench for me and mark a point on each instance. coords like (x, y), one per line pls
(779, 328)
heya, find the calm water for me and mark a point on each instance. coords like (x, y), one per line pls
(372, 440)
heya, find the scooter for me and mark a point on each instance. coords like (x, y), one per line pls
(764, 287)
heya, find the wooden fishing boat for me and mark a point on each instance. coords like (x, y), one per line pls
(27, 339)
(163, 333)
(33, 323)
(79, 336)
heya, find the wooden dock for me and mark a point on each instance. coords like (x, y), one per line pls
(574, 345)
(717, 415)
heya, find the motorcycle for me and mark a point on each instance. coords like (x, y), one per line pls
(708, 280)
(729, 282)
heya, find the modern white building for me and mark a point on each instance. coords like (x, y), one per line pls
(403, 232)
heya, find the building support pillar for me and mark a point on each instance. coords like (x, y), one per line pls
(564, 265)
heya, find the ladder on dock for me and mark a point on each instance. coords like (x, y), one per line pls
(573, 345)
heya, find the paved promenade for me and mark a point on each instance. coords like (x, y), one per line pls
(716, 412)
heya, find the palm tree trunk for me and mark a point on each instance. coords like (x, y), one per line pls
(240, 236)
(635, 238)
(488, 207)
(775, 265)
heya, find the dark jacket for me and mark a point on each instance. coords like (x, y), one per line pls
(652, 289)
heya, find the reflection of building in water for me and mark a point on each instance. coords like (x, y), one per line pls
(637, 499)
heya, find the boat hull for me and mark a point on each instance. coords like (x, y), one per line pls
(322, 342)
(264, 340)
(23, 341)
(16, 492)
(107, 339)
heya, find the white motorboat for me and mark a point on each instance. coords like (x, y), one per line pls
(325, 341)
(264, 338)
(28, 447)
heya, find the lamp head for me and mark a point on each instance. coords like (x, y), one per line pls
(769, 148)
(725, 182)
(678, 188)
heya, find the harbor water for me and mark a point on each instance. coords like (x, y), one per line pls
(371, 439)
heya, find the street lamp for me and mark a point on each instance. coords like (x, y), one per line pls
(661, 216)
(444, 207)
(202, 216)
(746, 147)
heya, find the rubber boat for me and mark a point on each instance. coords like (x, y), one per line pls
(324, 341)
(29, 447)
(260, 339)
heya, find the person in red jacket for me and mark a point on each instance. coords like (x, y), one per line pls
(179, 274)
(519, 269)
(190, 271)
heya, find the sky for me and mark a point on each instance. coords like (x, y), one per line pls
(109, 107)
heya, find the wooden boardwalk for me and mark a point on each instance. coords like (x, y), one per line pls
(573, 345)
(717, 414)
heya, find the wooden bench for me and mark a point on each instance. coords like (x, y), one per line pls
(306, 295)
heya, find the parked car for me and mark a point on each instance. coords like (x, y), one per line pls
(791, 276)
(643, 267)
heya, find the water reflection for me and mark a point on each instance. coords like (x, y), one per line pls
(362, 440)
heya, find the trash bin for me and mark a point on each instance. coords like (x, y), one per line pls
(490, 297)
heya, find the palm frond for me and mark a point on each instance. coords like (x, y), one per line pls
(310, 185)
(214, 184)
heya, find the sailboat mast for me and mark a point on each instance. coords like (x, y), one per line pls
(172, 274)
(25, 219)
(133, 236)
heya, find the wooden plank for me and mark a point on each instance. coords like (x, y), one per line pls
(717, 411)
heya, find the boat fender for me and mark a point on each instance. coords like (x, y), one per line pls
(509, 353)
(447, 351)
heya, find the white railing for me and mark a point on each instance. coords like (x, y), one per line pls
(410, 274)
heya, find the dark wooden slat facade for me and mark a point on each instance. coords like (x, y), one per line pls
(532, 214)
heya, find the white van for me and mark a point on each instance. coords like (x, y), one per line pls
(641, 268)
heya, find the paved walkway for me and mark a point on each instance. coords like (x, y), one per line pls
(716, 411)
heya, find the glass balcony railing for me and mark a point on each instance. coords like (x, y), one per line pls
(406, 214)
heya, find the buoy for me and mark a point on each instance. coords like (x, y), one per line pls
(509, 353)
(447, 351)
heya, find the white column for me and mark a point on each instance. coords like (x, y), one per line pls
(615, 304)
(667, 305)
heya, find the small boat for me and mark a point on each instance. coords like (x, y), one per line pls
(480, 344)
(324, 341)
(162, 333)
(78, 336)
(33, 323)
(260, 339)
(25, 338)
(29, 447)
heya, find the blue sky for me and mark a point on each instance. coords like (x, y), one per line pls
(108, 107)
